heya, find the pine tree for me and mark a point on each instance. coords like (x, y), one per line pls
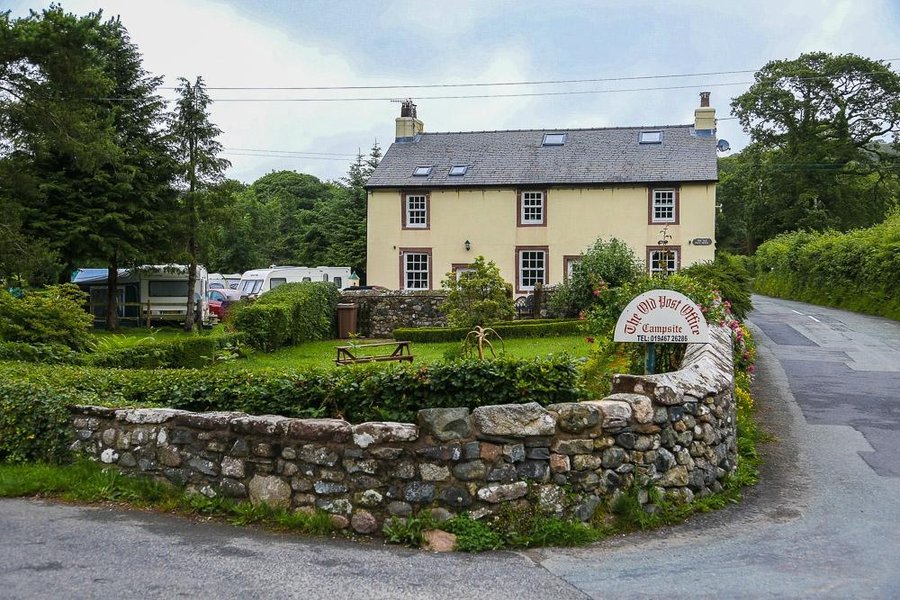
(199, 167)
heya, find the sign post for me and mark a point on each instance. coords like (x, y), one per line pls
(661, 316)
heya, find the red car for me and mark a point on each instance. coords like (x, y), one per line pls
(220, 300)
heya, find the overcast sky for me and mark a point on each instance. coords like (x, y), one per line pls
(295, 43)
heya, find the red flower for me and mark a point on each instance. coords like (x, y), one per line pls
(589, 340)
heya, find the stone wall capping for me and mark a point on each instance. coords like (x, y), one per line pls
(319, 430)
(272, 425)
(675, 431)
(153, 416)
(366, 434)
(514, 420)
(92, 411)
(208, 420)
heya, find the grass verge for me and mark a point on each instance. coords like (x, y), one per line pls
(88, 482)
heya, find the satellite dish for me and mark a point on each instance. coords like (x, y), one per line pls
(723, 146)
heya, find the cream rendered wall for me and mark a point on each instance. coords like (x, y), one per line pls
(487, 218)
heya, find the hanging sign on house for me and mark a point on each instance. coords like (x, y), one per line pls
(662, 316)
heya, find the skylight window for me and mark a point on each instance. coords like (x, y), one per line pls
(458, 170)
(554, 139)
(424, 171)
(651, 137)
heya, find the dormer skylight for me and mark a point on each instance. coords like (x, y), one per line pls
(458, 170)
(554, 139)
(651, 137)
(422, 171)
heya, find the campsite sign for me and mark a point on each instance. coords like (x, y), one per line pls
(661, 316)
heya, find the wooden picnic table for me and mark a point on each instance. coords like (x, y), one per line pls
(349, 355)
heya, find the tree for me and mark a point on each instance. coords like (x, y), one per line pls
(479, 296)
(818, 125)
(93, 182)
(199, 167)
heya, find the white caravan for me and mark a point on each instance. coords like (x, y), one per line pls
(260, 281)
(151, 293)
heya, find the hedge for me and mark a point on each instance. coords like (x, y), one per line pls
(34, 420)
(45, 353)
(361, 393)
(506, 330)
(187, 352)
(290, 314)
(856, 270)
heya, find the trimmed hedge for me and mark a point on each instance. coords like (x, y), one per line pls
(34, 420)
(856, 270)
(187, 353)
(506, 330)
(290, 314)
(358, 394)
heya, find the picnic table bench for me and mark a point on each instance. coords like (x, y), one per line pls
(349, 355)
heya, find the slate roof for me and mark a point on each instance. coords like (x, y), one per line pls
(589, 156)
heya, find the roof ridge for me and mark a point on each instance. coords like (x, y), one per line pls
(558, 129)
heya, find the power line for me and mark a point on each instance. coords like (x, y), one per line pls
(271, 155)
(475, 96)
(510, 95)
(331, 154)
(484, 84)
(472, 84)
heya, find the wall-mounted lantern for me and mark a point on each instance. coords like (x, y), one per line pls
(468, 245)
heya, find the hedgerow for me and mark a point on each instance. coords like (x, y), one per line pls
(506, 330)
(290, 314)
(358, 394)
(855, 270)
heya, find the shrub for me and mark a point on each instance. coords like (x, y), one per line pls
(363, 393)
(729, 277)
(506, 329)
(605, 264)
(53, 315)
(479, 296)
(290, 314)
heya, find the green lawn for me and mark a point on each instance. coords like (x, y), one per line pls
(322, 354)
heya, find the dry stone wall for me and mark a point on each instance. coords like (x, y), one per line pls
(379, 313)
(675, 431)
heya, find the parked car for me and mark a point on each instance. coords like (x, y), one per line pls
(221, 299)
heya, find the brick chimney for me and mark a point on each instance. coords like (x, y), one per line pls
(705, 117)
(408, 126)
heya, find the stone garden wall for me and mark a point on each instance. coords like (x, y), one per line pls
(674, 431)
(380, 312)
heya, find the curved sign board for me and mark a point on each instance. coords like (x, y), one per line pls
(662, 316)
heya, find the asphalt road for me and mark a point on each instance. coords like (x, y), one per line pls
(824, 522)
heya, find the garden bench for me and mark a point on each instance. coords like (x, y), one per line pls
(525, 306)
(349, 355)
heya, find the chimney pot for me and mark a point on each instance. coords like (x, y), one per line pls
(704, 99)
(408, 109)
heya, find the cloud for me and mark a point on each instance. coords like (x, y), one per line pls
(400, 42)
